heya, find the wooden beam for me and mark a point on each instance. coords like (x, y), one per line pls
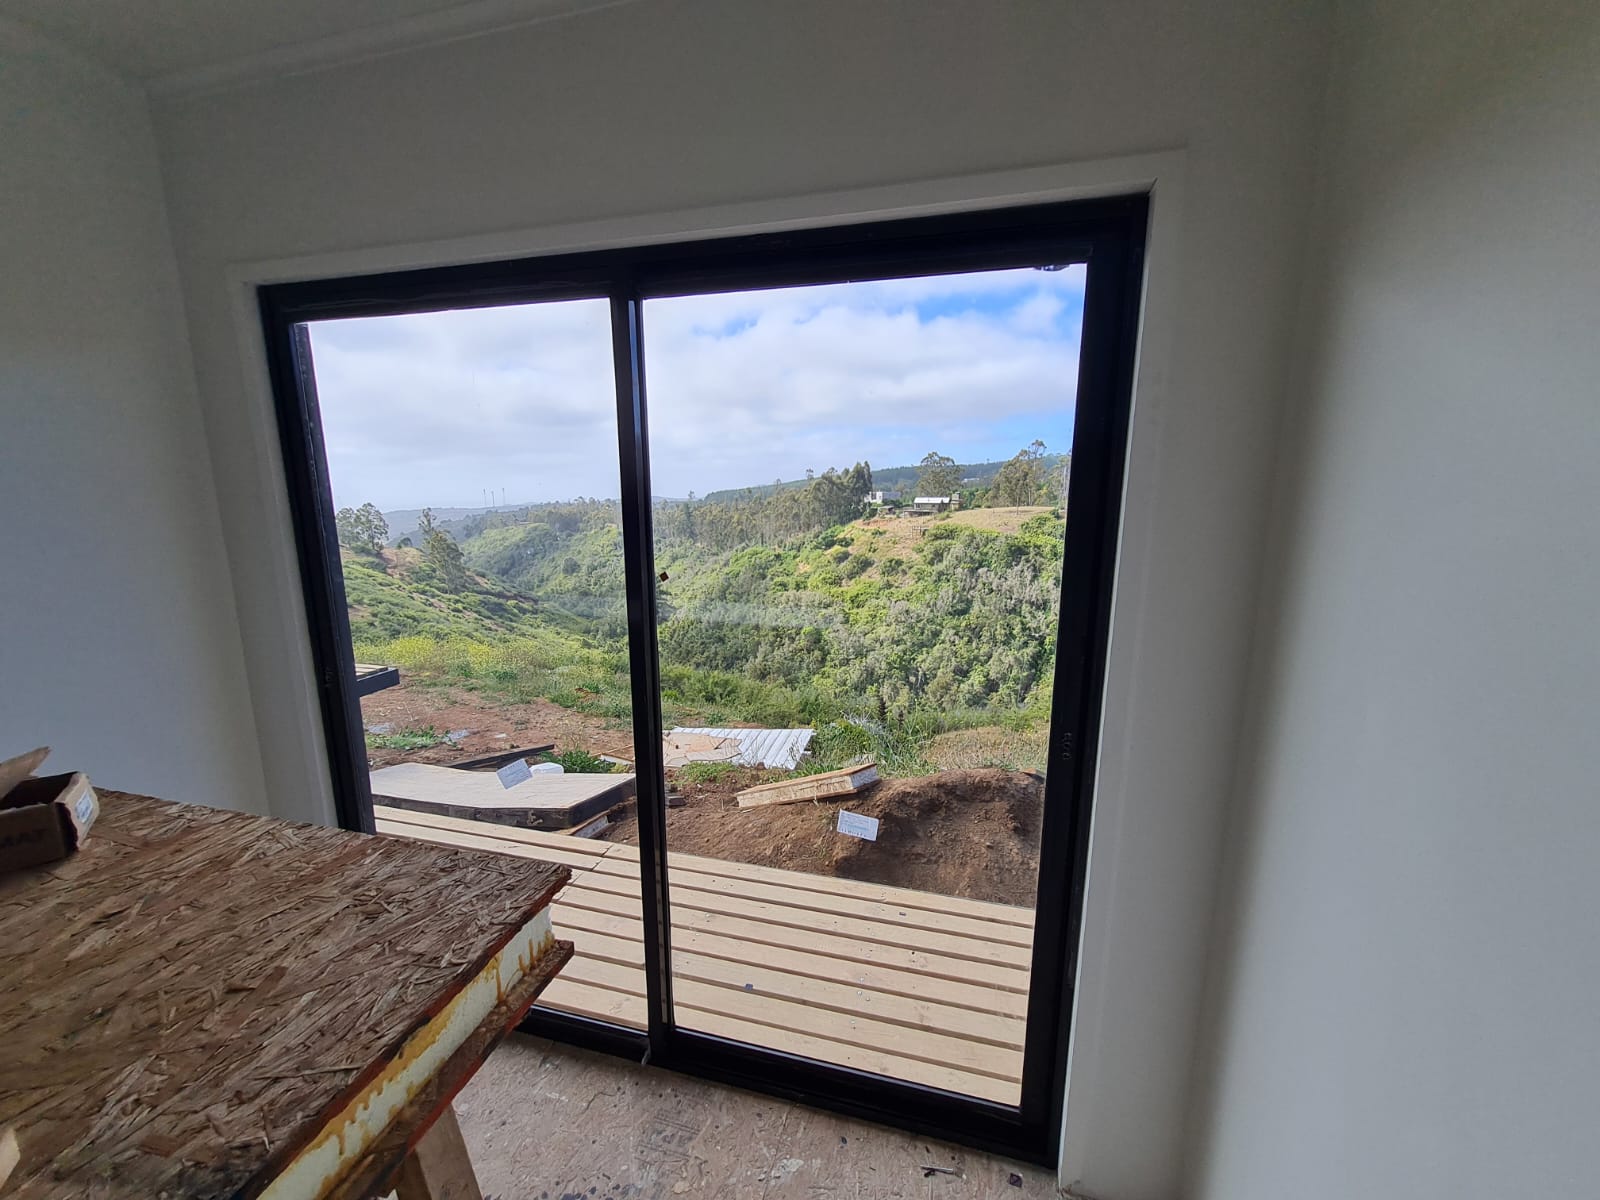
(826, 786)
(500, 757)
(439, 1167)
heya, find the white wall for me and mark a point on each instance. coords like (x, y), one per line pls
(662, 107)
(1408, 1000)
(118, 642)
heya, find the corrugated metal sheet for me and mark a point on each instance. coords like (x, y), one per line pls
(779, 749)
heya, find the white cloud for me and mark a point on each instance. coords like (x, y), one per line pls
(743, 388)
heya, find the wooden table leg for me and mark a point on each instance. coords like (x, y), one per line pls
(438, 1168)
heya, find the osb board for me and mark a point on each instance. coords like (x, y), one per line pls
(192, 996)
(372, 1175)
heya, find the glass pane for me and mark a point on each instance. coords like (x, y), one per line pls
(473, 460)
(859, 522)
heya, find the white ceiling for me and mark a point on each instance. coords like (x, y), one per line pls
(179, 45)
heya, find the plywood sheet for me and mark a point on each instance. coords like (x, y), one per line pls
(195, 994)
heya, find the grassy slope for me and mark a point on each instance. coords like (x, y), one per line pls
(811, 633)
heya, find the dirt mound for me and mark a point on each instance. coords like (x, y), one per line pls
(957, 833)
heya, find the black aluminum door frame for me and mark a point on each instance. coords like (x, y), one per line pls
(1108, 235)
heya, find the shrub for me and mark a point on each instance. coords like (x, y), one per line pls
(704, 772)
(405, 739)
(581, 762)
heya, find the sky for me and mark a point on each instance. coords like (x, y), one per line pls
(743, 388)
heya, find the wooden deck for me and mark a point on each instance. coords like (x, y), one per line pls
(908, 984)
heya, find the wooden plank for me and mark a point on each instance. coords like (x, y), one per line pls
(438, 1167)
(861, 1058)
(574, 861)
(824, 786)
(880, 892)
(623, 951)
(500, 757)
(10, 1153)
(210, 988)
(371, 678)
(525, 838)
(544, 801)
(883, 893)
(695, 887)
(602, 1004)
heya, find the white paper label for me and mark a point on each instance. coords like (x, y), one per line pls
(514, 773)
(858, 826)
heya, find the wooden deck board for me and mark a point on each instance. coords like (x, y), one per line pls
(909, 984)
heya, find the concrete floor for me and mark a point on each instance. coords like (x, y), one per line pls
(546, 1122)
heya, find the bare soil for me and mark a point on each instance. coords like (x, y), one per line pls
(956, 833)
(490, 725)
(900, 533)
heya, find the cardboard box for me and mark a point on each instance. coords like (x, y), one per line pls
(42, 818)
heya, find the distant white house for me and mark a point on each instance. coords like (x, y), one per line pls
(883, 497)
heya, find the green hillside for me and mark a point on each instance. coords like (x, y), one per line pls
(798, 607)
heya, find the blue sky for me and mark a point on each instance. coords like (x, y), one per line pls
(744, 388)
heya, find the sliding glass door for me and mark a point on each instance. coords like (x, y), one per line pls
(859, 524)
(472, 460)
(765, 583)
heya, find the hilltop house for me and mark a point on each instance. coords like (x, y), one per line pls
(925, 506)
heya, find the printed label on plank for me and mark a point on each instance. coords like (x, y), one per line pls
(858, 826)
(514, 773)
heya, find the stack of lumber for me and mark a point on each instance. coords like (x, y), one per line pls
(552, 802)
(827, 786)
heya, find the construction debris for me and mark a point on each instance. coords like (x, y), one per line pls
(683, 746)
(830, 784)
(500, 757)
(775, 749)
